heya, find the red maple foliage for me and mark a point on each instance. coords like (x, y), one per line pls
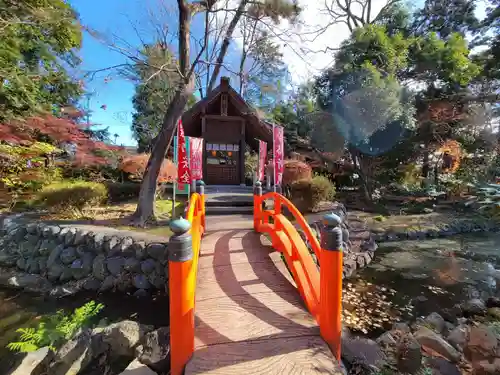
(60, 131)
(136, 165)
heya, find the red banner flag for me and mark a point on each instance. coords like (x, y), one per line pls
(183, 170)
(196, 157)
(278, 151)
(262, 159)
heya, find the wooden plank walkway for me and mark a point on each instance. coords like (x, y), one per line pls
(249, 316)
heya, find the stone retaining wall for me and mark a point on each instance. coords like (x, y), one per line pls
(358, 243)
(459, 226)
(61, 259)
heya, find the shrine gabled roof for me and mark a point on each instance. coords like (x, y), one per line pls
(257, 127)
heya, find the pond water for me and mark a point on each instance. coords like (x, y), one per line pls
(23, 309)
(408, 279)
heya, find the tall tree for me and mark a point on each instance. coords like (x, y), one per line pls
(266, 75)
(260, 12)
(187, 68)
(38, 39)
(446, 17)
(156, 77)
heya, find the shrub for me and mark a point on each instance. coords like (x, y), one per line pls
(307, 193)
(251, 163)
(136, 165)
(295, 170)
(53, 330)
(72, 195)
(122, 192)
(92, 172)
(323, 188)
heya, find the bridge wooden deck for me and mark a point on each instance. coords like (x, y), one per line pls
(249, 316)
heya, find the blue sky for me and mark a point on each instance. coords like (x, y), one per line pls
(110, 17)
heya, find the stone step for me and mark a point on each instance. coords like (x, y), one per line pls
(229, 210)
(229, 203)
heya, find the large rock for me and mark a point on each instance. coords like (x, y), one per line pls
(108, 283)
(68, 255)
(458, 337)
(408, 354)
(148, 266)
(123, 248)
(46, 247)
(363, 352)
(154, 350)
(54, 271)
(157, 280)
(137, 368)
(157, 251)
(69, 237)
(99, 269)
(441, 366)
(481, 344)
(80, 237)
(8, 260)
(123, 337)
(132, 265)
(493, 302)
(35, 363)
(475, 306)
(435, 322)
(485, 367)
(433, 341)
(141, 282)
(30, 282)
(72, 355)
(140, 249)
(110, 243)
(54, 255)
(115, 265)
(494, 312)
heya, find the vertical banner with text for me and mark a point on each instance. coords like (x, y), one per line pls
(196, 158)
(183, 170)
(262, 159)
(278, 154)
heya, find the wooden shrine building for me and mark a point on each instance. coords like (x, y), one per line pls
(227, 124)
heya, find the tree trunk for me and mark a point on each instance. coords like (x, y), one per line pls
(358, 168)
(225, 44)
(145, 205)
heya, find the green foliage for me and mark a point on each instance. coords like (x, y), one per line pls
(38, 39)
(446, 17)
(446, 60)
(24, 168)
(122, 192)
(72, 196)
(487, 200)
(54, 330)
(295, 170)
(251, 163)
(91, 172)
(156, 80)
(308, 193)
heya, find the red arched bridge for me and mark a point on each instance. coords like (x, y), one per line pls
(237, 308)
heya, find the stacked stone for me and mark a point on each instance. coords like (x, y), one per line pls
(71, 258)
(358, 245)
(438, 231)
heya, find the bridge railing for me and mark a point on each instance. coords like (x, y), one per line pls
(183, 255)
(320, 289)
